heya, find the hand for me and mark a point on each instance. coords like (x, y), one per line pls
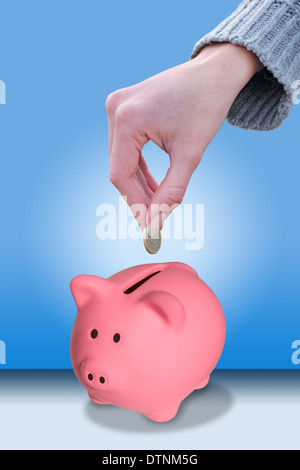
(180, 110)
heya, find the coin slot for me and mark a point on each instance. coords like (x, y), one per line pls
(139, 283)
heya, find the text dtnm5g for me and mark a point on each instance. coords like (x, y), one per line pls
(171, 459)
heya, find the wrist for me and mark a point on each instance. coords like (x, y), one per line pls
(234, 63)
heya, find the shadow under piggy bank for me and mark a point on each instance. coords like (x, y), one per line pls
(200, 407)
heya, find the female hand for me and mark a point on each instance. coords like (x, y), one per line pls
(180, 110)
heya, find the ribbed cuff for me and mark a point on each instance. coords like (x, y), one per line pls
(270, 29)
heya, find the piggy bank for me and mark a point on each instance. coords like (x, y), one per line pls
(146, 337)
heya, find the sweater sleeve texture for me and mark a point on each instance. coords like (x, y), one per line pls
(271, 30)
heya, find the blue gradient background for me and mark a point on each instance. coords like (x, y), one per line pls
(59, 61)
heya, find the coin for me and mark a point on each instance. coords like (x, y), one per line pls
(152, 244)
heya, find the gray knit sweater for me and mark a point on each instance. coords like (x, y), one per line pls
(270, 29)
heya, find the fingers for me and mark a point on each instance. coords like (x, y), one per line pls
(171, 191)
(125, 173)
(128, 170)
(113, 101)
(143, 183)
(151, 182)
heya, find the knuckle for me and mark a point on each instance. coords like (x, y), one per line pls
(174, 195)
(126, 115)
(114, 177)
(119, 179)
(114, 100)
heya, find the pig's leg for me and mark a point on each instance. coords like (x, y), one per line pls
(96, 400)
(163, 415)
(202, 384)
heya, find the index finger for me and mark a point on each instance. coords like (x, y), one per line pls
(124, 161)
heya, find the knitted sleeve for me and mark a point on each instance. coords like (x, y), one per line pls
(270, 29)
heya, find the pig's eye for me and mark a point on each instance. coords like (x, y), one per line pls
(94, 334)
(117, 338)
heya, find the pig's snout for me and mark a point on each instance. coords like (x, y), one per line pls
(93, 376)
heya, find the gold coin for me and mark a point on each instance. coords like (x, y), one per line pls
(152, 244)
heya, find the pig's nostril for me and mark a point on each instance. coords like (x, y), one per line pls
(90, 377)
(94, 334)
(102, 380)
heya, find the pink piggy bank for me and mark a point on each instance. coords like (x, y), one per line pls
(146, 337)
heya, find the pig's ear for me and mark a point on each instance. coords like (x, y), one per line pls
(85, 288)
(167, 306)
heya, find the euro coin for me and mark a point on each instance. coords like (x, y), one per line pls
(151, 243)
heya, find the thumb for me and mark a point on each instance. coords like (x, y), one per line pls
(169, 193)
